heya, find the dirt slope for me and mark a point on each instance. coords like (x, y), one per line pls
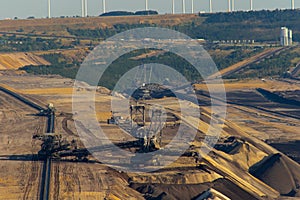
(223, 170)
(12, 61)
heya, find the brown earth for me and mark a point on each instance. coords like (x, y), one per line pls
(13, 61)
(57, 26)
(227, 173)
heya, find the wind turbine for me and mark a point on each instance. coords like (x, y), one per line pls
(104, 6)
(232, 5)
(146, 5)
(49, 8)
(82, 8)
(292, 4)
(210, 6)
(86, 8)
(192, 6)
(251, 5)
(173, 6)
(183, 6)
(229, 6)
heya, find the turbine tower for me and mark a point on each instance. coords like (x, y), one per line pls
(86, 8)
(173, 6)
(183, 6)
(192, 6)
(82, 8)
(292, 4)
(229, 6)
(49, 8)
(104, 6)
(232, 5)
(146, 5)
(251, 5)
(210, 6)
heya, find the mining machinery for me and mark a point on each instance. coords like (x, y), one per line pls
(46, 112)
(149, 136)
(54, 146)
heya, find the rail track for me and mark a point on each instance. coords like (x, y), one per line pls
(46, 169)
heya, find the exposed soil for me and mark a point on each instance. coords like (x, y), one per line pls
(291, 149)
(186, 178)
(14, 61)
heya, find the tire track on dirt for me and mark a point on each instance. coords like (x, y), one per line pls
(56, 181)
(34, 174)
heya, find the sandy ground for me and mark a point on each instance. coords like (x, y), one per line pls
(226, 172)
(19, 175)
(14, 61)
(261, 124)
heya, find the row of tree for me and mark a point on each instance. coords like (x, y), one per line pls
(13, 43)
(126, 13)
